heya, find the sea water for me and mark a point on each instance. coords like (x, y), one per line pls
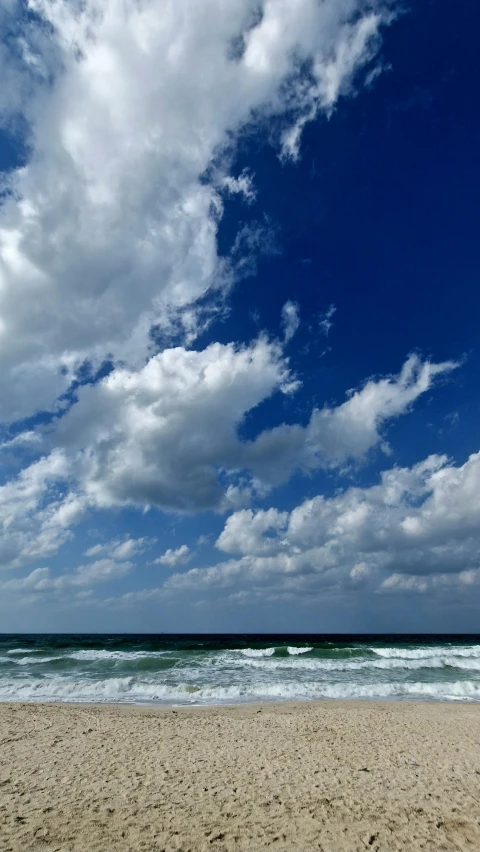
(227, 669)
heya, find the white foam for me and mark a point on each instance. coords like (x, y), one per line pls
(24, 650)
(425, 653)
(468, 665)
(458, 690)
(257, 652)
(294, 651)
(131, 690)
(332, 665)
(93, 656)
(424, 663)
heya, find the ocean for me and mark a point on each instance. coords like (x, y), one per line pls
(230, 669)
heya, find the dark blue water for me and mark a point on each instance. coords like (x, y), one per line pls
(218, 669)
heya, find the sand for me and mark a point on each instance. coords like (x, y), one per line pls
(337, 777)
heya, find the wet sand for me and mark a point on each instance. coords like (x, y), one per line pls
(327, 776)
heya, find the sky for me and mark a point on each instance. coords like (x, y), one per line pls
(239, 346)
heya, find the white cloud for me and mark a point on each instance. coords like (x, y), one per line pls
(167, 435)
(120, 549)
(173, 558)
(325, 321)
(111, 225)
(110, 230)
(245, 532)
(403, 583)
(135, 598)
(290, 320)
(41, 580)
(238, 496)
(415, 531)
(159, 435)
(162, 435)
(451, 585)
(332, 75)
(241, 185)
(37, 511)
(336, 436)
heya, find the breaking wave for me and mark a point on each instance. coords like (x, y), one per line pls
(127, 656)
(24, 650)
(222, 670)
(294, 651)
(257, 652)
(131, 690)
(425, 653)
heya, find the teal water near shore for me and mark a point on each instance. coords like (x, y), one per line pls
(187, 669)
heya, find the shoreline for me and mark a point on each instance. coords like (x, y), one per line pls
(406, 700)
(325, 775)
(300, 702)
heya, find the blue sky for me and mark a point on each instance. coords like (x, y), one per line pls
(239, 316)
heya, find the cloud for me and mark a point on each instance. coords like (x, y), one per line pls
(242, 185)
(118, 549)
(451, 585)
(159, 435)
(37, 510)
(41, 580)
(110, 227)
(167, 436)
(290, 320)
(325, 322)
(245, 532)
(337, 435)
(332, 75)
(402, 583)
(174, 558)
(108, 249)
(416, 531)
(162, 435)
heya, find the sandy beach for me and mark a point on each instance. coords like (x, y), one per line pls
(335, 777)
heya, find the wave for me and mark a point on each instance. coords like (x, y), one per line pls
(291, 659)
(29, 661)
(269, 652)
(294, 651)
(323, 665)
(292, 664)
(425, 653)
(25, 650)
(260, 659)
(127, 656)
(131, 690)
(257, 652)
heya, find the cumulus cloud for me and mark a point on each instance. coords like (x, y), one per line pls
(174, 558)
(41, 580)
(37, 510)
(167, 436)
(451, 585)
(253, 532)
(159, 435)
(415, 531)
(108, 243)
(111, 224)
(121, 549)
